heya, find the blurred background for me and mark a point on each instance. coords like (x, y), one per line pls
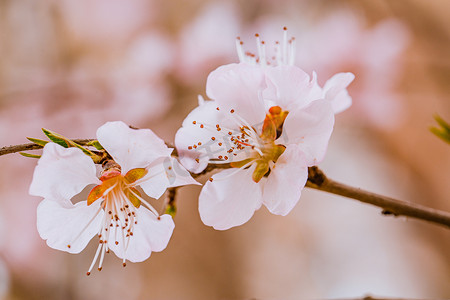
(72, 65)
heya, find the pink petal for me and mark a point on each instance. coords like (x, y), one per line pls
(61, 173)
(310, 128)
(149, 234)
(73, 225)
(335, 90)
(131, 148)
(199, 138)
(286, 180)
(239, 87)
(231, 201)
(288, 87)
(163, 173)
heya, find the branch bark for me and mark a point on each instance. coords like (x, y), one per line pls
(32, 146)
(391, 207)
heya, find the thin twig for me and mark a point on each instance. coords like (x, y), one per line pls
(32, 146)
(391, 207)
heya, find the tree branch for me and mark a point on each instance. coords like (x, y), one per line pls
(32, 146)
(319, 181)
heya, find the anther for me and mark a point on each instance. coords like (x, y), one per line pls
(194, 122)
(232, 111)
(210, 179)
(201, 126)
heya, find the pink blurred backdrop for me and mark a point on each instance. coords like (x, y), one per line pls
(72, 65)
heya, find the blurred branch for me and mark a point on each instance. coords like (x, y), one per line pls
(317, 180)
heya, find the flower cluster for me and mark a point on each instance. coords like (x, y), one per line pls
(267, 120)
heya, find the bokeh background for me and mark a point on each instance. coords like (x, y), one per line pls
(71, 65)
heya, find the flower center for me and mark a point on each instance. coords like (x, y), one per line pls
(243, 147)
(120, 201)
(270, 152)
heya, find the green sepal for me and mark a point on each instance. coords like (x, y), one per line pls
(262, 167)
(37, 141)
(95, 144)
(30, 155)
(241, 163)
(277, 151)
(86, 151)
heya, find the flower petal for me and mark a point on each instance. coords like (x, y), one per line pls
(149, 234)
(131, 148)
(286, 180)
(310, 128)
(239, 87)
(230, 199)
(61, 173)
(335, 90)
(200, 140)
(163, 173)
(64, 225)
(288, 87)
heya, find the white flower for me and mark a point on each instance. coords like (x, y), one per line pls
(114, 210)
(270, 121)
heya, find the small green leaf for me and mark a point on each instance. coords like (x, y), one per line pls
(95, 144)
(443, 124)
(38, 141)
(65, 142)
(442, 132)
(86, 151)
(56, 138)
(29, 155)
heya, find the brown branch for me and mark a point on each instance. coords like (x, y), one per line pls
(391, 207)
(32, 146)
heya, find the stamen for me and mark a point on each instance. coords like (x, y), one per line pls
(95, 259)
(240, 50)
